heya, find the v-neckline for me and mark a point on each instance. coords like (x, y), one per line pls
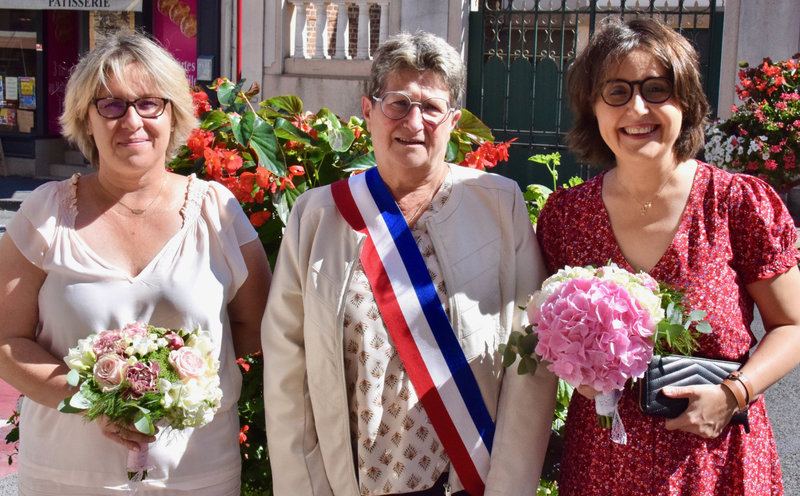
(191, 186)
(681, 225)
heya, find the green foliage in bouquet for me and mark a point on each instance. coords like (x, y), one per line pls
(677, 333)
(144, 374)
(762, 136)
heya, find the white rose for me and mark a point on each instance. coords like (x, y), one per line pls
(81, 357)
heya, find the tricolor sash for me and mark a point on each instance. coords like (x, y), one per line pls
(419, 327)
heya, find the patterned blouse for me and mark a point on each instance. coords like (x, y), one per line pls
(398, 450)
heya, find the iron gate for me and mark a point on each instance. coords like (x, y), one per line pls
(519, 53)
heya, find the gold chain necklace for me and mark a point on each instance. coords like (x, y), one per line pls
(645, 205)
(136, 211)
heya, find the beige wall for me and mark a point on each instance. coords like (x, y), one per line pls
(334, 84)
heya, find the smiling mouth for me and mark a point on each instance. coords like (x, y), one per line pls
(409, 141)
(638, 131)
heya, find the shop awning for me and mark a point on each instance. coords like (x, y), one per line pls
(118, 5)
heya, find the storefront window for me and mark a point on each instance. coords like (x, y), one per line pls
(19, 47)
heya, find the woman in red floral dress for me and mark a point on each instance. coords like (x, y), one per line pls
(725, 239)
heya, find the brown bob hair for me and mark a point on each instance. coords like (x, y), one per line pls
(606, 50)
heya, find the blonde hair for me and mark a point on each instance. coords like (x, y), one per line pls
(110, 59)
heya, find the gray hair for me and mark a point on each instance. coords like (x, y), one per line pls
(109, 59)
(420, 51)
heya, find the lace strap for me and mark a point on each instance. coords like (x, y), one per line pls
(195, 194)
(68, 199)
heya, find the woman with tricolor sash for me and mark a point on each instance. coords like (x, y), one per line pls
(392, 291)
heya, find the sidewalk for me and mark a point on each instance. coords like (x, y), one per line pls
(14, 189)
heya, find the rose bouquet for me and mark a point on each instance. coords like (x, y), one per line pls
(143, 375)
(600, 327)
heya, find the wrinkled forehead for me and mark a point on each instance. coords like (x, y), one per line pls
(412, 81)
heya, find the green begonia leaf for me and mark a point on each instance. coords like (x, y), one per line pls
(472, 125)
(226, 93)
(361, 163)
(281, 204)
(340, 139)
(260, 136)
(290, 103)
(236, 129)
(452, 151)
(286, 130)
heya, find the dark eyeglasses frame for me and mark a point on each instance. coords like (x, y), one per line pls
(129, 104)
(632, 86)
(411, 105)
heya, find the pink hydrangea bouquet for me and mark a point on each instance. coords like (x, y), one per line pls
(144, 375)
(600, 326)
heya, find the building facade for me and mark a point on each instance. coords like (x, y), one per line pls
(321, 52)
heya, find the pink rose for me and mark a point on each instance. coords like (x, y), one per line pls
(187, 362)
(142, 378)
(174, 341)
(135, 329)
(109, 371)
(108, 342)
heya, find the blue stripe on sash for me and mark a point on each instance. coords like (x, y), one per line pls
(432, 306)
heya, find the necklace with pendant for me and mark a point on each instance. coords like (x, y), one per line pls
(645, 205)
(137, 211)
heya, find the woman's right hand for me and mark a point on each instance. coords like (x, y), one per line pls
(126, 435)
(587, 391)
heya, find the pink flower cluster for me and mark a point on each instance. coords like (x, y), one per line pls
(594, 332)
(113, 369)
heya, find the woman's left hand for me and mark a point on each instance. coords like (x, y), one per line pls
(126, 435)
(709, 411)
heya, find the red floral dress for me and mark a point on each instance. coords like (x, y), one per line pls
(734, 231)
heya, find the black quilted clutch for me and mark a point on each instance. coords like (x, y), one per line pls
(678, 370)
